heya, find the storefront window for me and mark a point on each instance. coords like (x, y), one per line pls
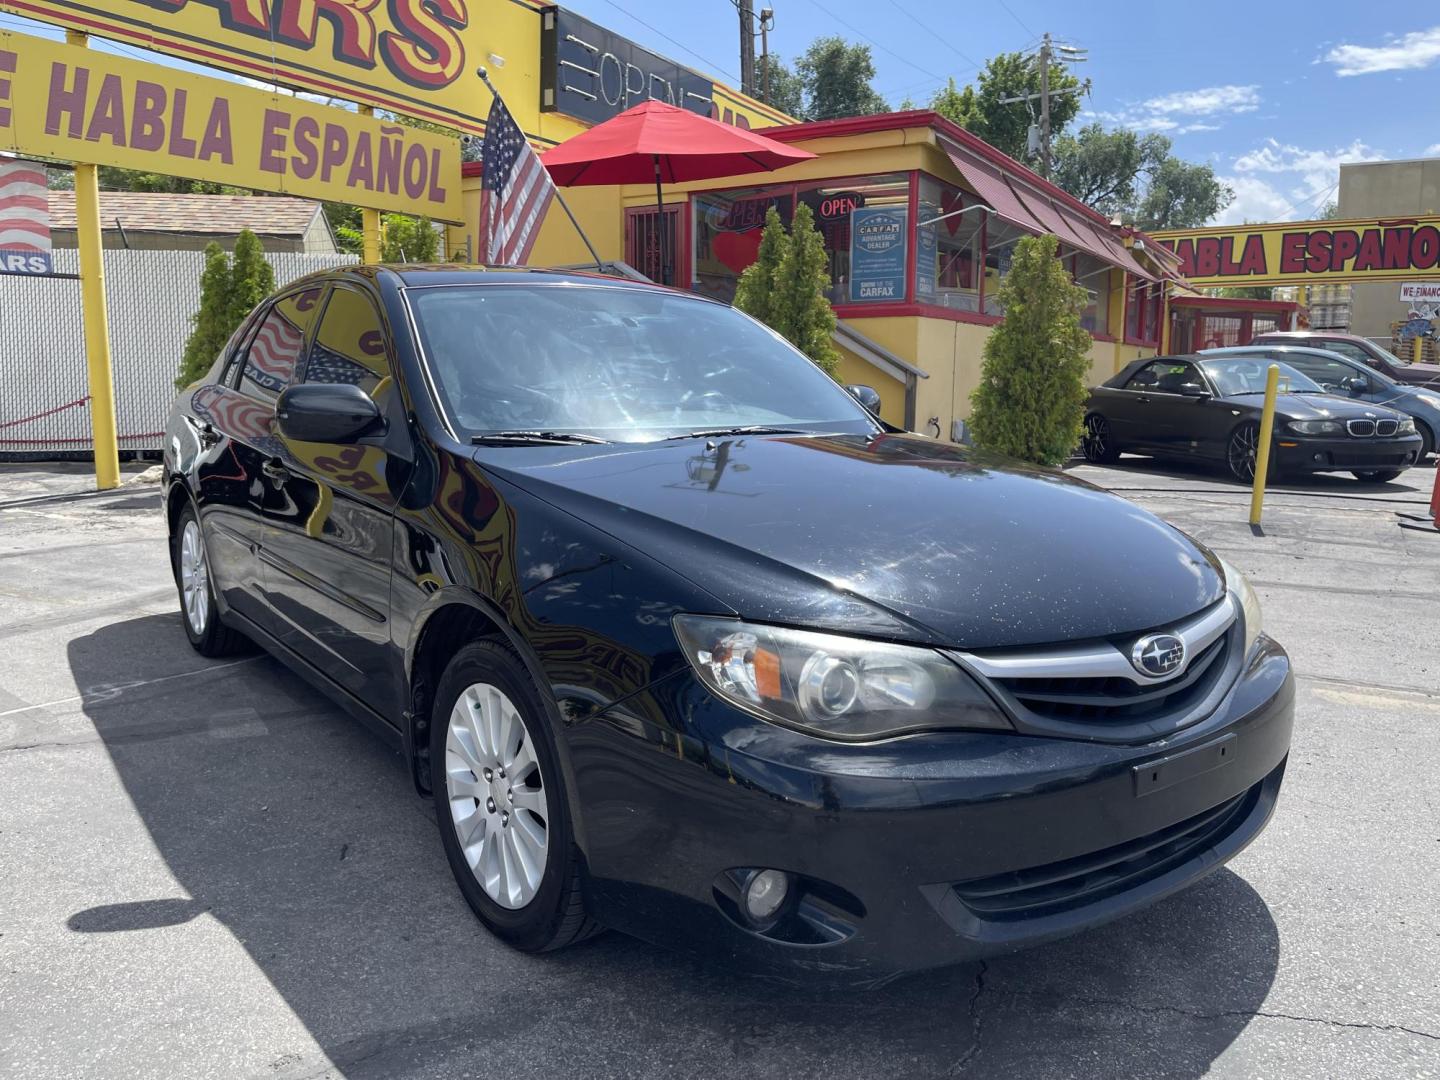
(877, 209)
(1142, 311)
(948, 249)
(728, 226)
(1000, 240)
(1093, 275)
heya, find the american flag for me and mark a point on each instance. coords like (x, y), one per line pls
(271, 360)
(24, 216)
(515, 190)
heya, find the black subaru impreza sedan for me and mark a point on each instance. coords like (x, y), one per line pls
(682, 640)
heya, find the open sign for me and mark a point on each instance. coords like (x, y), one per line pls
(838, 206)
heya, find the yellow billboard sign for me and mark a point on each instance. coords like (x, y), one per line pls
(83, 105)
(415, 57)
(1307, 252)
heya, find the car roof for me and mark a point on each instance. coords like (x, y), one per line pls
(1300, 350)
(1303, 335)
(418, 275)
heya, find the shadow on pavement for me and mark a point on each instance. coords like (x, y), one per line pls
(299, 831)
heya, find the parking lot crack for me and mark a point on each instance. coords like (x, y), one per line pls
(1247, 1014)
(973, 1011)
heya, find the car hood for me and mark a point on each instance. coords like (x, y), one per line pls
(1419, 374)
(888, 535)
(1324, 406)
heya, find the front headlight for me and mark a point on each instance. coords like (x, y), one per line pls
(833, 686)
(1316, 427)
(1407, 426)
(1236, 584)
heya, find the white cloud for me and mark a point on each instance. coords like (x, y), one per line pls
(1207, 102)
(1417, 49)
(1432, 151)
(1281, 182)
(1187, 128)
(1255, 200)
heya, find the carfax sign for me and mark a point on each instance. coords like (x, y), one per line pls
(877, 254)
(84, 105)
(24, 216)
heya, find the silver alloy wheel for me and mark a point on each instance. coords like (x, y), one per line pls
(1097, 434)
(1243, 446)
(496, 795)
(194, 578)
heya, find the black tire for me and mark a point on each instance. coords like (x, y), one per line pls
(1377, 476)
(556, 915)
(1097, 443)
(211, 637)
(1427, 442)
(1242, 465)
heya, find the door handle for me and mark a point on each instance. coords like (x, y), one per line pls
(275, 470)
(208, 435)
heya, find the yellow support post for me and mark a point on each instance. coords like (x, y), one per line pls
(1262, 452)
(369, 219)
(1419, 350)
(97, 327)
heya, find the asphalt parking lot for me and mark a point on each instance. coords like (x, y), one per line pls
(207, 870)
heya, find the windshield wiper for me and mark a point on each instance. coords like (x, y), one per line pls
(750, 429)
(530, 438)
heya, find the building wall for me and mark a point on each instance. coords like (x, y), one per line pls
(1385, 189)
(854, 370)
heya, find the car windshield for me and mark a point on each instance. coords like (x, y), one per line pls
(600, 362)
(1398, 361)
(1246, 375)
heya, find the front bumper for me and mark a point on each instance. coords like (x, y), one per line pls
(914, 853)
(1299, 453)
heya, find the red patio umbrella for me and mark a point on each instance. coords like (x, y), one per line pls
(668, 144)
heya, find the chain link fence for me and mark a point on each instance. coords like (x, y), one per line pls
(152, 299)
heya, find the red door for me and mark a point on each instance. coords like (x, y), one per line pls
(643, 248)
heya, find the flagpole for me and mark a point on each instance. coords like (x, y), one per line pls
(599, 265)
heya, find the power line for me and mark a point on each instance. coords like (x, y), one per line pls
(1017, 19)
(930, 29)
(679, 45)
(883, 48)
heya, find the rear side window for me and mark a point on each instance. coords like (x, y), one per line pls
(349, 344)
(273, 353)
(1330, 374)
(1345, 348)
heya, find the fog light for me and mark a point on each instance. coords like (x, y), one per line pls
(765, 894)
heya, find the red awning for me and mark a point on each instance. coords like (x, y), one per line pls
(1038, 212)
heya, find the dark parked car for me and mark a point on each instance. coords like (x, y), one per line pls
(683, 641)
(1336, 373)
(1366, 351)
(1209, 408)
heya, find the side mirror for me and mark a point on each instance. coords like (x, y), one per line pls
(1357, 385)
(326, 412)
(1194, 390)
(867, 396)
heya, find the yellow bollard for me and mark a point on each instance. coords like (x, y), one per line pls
(92, 306)
(1419, 350)
(1262, 452)
(369, 219)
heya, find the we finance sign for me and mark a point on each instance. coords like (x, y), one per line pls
(1307, 252)
(77, 104)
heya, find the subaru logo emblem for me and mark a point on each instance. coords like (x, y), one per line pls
(1158, 655)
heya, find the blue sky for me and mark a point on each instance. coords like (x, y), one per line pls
(1276, 96)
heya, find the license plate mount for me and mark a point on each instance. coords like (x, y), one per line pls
(1166, 772)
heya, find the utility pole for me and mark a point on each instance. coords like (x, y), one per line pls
(1045, 107)
(747, 46)
(767, 20)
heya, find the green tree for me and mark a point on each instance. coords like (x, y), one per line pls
(787, 89)
(1329, 212)
(230, 287)
(800, 309)
(756, 288)
(1181, 195)
(1105, 169)
(980, 108)
(1031, 399)
(785, 287)
(836, 77)
(409, 239)
(113, 178)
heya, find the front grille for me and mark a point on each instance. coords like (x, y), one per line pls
(1092, 689)
(1054, 887)
(1117, 700)
(1361, 429)
(1385, 428)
